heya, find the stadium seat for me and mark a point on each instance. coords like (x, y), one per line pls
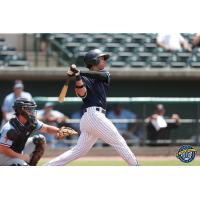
(80, 38)
(159, 50)
(139, 49)
(144, 56)
(150, 38)
(192, 59)
(118, 64)
(18, 63)
(124, 56)
(7, 55)
(131, 47)
(139, 38)
(164, 56)
(59, 36)
(177, 64)
(10, 57)
(197, 57)
(98, 38)
(137, 64)
(112, 47)
(158, 64)
(196, 50)
(183, 56)
(89, 46)
(11, 49)
(3, 47)
(118, 38)
(150, 47)
(195, 64)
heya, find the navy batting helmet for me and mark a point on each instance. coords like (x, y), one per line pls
(92, 57)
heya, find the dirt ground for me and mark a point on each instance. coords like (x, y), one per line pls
(117, 158)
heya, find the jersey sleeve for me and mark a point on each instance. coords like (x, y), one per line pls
(39, 125)
(3, 136)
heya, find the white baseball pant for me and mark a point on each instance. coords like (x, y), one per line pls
(94, 125)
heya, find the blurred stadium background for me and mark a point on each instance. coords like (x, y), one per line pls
(142, 76)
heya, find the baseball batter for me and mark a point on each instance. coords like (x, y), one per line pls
(93, 87)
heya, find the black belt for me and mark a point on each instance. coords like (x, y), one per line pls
(97, 109)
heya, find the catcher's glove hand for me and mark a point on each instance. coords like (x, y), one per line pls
(65, 131)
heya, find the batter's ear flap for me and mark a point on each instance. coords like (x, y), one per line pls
(95, 61)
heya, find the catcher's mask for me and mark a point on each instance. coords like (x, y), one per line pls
(25, 107)
(92, 57)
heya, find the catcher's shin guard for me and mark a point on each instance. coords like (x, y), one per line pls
(39, 141)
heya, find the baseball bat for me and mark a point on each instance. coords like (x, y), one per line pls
(64, 90)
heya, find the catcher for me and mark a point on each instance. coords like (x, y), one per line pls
(17, 146)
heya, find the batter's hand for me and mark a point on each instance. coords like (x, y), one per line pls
(70, 73)
(75, 70)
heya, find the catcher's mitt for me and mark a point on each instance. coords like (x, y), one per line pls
(65, 131)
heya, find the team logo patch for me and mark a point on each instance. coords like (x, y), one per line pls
(186, 153)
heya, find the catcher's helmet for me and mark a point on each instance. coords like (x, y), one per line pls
(23, 105)
(92, 57)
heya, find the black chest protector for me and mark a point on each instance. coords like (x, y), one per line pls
(21, 135)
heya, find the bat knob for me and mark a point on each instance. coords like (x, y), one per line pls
(73, 66)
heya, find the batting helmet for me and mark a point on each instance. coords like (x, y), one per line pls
(92, 57)
(22, 105)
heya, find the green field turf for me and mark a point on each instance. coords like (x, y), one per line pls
(142, 163)
(122, 163)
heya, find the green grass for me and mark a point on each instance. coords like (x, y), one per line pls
(122, 163)
(142, 163)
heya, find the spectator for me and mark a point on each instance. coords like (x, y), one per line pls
(51, 117)
(172, 42)
(196, 40)
(127, 130)
(158, 128)
(7, 109)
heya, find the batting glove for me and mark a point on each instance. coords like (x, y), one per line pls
(70, 73)
(75, 70)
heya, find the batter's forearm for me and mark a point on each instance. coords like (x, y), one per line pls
(80, 87)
